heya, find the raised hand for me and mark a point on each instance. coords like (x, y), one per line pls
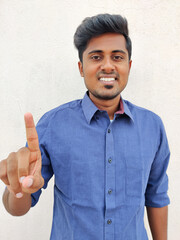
(21, 171)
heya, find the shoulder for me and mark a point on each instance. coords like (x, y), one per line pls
(144, 115)
(60, 111)
(137, 110)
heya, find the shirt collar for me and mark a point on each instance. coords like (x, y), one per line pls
(126, 109)
(89, 108)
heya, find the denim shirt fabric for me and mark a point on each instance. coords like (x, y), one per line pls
(105, 172)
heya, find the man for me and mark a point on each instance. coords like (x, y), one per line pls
(109, 157)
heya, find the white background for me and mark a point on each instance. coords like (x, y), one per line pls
(38, 71)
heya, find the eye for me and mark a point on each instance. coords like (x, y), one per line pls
(96, 57)
(118, 58)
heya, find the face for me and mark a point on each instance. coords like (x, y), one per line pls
(105, 66)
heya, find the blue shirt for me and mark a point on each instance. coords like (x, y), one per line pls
(105, 172)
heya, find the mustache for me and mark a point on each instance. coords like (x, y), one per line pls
(102, 73)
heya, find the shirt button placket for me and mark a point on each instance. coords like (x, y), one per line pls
(109, 221)
(110, 186)
(109, 160)
(109, 191)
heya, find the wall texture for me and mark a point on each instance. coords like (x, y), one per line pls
(38, 71)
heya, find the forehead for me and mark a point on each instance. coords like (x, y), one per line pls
(107, 42)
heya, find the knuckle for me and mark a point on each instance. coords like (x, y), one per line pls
(11, 162)
(3, 172)
(12, 155)
(3, 175)
(12, 170)
(15, 186)
(2, 162)
(23, 151)
(2, 168)
(23, 171)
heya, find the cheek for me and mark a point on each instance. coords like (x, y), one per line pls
(90, 71)
(124, 70)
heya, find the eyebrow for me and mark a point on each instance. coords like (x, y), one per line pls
(114, 51)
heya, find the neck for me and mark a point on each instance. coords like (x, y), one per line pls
(110, 106)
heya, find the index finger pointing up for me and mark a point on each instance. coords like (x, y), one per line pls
(31, 133)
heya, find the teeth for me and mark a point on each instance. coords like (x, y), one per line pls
(107, 79)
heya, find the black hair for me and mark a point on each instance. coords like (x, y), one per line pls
(97, 25)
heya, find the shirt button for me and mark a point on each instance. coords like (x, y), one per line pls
(109, 130)
(109, 191)
(109, 221)
(110, 160)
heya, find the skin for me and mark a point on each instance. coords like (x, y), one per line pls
(105, 56)
(21, 172)
(158, 219)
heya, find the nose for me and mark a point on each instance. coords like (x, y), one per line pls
(107, 65)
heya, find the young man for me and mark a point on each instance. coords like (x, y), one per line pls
(109, 157)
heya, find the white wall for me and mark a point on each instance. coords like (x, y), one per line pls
(38, 71)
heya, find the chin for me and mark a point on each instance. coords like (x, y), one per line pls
(106, 96)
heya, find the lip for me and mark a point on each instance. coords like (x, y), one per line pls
(108, 82)
(108, 76)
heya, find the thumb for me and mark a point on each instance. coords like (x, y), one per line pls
(32, 183)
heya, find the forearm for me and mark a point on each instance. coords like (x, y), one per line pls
(16, 206)
(158, 219)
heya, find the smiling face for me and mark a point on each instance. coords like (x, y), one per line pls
(105, 66)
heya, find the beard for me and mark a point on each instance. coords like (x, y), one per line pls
(105, 96)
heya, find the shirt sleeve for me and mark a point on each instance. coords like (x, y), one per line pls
(157, 187)
(46, 171)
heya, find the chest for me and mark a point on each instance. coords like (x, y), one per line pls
(88, 160)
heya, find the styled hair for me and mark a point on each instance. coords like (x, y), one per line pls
(97, 25)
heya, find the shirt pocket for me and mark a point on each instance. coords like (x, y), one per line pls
(134, 178)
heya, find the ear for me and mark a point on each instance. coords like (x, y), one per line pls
(80, 65)
(130, 63)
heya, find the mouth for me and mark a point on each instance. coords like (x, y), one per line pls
(107, 79)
